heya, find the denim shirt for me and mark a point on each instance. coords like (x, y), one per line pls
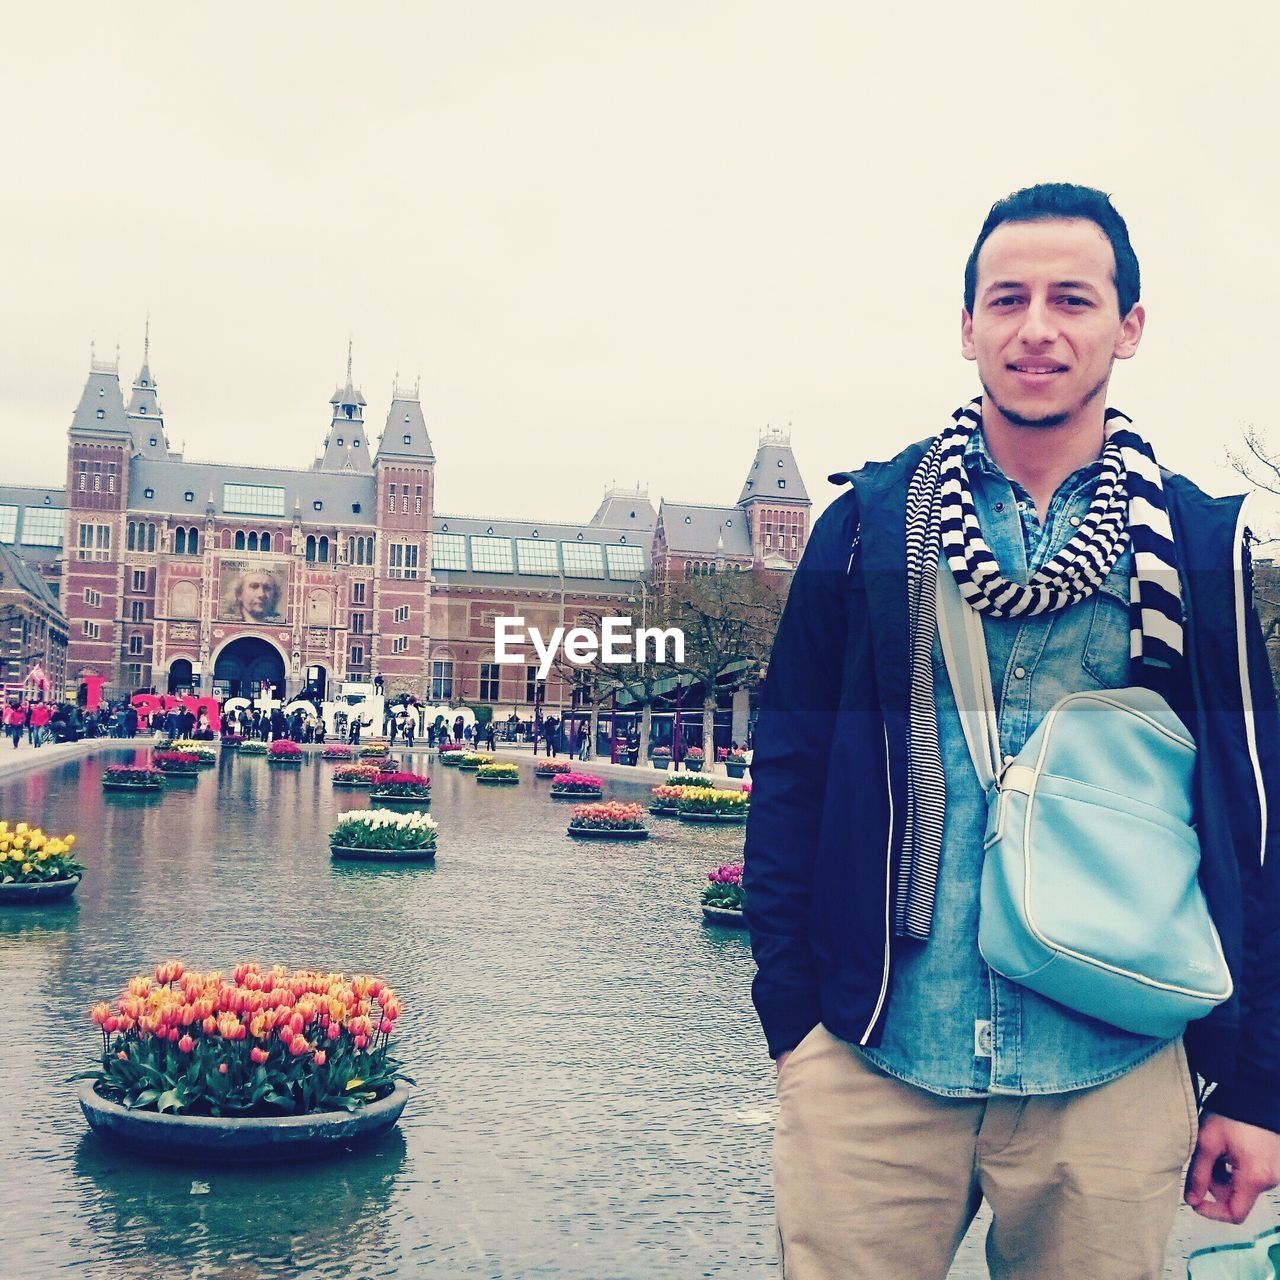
(953, 1026)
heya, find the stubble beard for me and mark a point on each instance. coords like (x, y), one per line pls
(1048, 421)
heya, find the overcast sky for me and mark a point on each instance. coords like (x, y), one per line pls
(616, 241)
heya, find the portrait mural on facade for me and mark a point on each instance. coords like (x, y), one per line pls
(253, 591)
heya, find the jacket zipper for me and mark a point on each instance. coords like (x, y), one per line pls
(1246, 689)
(888, 864)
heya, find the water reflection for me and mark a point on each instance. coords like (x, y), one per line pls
(323, 1217)
(593, 1095)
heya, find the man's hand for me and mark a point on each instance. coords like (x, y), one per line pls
(1233, 1164)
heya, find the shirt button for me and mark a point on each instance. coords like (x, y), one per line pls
(1075, 520)
(1019, 672)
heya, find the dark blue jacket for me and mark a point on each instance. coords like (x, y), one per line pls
(830, 766)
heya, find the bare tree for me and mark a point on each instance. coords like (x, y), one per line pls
(729, 622)
(641, 678)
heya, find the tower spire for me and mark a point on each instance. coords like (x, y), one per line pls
(350, 343)
(146, 341)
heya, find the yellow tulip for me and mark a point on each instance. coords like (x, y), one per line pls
(27, 868)
(70, 840)
(21, 828)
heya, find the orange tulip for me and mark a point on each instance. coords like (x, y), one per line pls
(258, 1055)
(186, 1044)
(99, 1013)
(319, 1057)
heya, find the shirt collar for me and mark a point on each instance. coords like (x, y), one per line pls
(977, 457)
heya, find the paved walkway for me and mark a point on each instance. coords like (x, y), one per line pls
(25, 757)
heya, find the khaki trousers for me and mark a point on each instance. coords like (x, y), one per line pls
(876, 1179)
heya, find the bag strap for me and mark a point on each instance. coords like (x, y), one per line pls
(964, 649)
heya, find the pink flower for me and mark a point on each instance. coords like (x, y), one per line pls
(186, 1044)
(222, 1068)
(319, 1057)
(258, 1055)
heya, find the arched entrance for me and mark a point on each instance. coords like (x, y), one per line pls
(245, 665)
(179, 676)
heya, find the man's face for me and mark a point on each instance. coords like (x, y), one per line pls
(1046, 323)
(258, 594)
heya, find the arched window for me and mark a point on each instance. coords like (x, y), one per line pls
(180, 541)
(322, 550)
(252, 543)
(193, 542)
(129, 536)
(265, 543)
(688, 568)
(151, 537)
(239, 539)
(311, 547)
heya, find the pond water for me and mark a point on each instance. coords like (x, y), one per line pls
(593, 1098)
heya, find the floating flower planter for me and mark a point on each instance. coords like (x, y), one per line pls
(577, 786)
(337, 751)
(549, 768)
(283, 751)
(373, 749)
(380, 835)
(128, 777)
(704, 804)
(723, 897)
(206, 756)
(610, 820)
(473, 760)
(36, 868)
(232, 741)
(271, 1065)
(354, 775)
(401, 788)
(451, 755)
(176, 764)
(252, 747)
(667, 796)
(503, 774)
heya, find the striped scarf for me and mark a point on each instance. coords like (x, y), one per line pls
(1128, 508)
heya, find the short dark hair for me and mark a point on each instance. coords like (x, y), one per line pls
(1063, 200)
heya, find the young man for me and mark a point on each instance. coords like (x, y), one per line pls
(913, 1080)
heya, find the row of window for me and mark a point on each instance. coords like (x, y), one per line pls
(536, 556)
(704, 568)
(186, 542)
(96, 477)
(252, 540)
(442, 682)
(41, 526)
(404, 497)
(137, 608)
(140, 536)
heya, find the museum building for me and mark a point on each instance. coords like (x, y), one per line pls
(176, 574)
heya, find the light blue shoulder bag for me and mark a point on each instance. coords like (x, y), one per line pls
(1089, 889)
